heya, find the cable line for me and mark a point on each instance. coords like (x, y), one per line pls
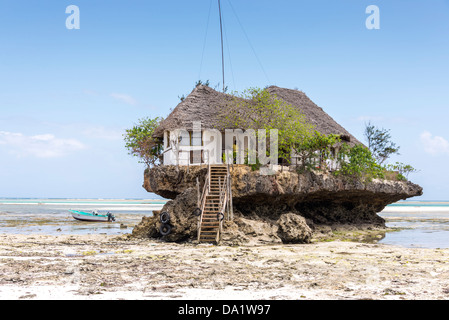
(247, 38)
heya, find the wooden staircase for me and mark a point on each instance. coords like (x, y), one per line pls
(215, 204)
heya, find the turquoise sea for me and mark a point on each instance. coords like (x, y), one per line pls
(52, 216)
(419, 224)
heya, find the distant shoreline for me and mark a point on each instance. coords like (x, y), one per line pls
(102, 202)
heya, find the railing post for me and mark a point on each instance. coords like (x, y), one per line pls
(198, 191)
(230, 194)
(206, 189)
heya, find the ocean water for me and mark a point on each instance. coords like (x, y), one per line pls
(52, 216)
(419, 224)
(422, 224)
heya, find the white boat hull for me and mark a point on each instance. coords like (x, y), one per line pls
(92, 218)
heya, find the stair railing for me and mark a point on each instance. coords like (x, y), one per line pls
(223, 201)
(206, 190)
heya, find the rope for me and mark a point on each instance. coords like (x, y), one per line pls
(204, 42)
(229, 53)
(222, 54)
(249, 42)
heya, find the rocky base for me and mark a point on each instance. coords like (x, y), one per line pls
(284, 208)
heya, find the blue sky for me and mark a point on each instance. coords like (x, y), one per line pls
(67, 96)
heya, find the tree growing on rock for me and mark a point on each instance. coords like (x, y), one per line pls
(140, 142)
(257, 109)
(379, 143)
(315, 149)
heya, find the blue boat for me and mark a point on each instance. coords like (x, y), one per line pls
(92, 216)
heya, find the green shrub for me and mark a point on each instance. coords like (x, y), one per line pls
(358, 163)
(403, 170)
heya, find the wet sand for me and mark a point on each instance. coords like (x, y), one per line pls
(99, 267)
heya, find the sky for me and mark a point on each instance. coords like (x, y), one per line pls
(68, 95)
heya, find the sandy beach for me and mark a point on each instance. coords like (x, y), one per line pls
(99, 267)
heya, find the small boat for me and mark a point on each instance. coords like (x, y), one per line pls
(92, 216)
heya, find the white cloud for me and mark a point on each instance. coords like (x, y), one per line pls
(40, 146)
(434, 145)
(124, 98)
(100, 132)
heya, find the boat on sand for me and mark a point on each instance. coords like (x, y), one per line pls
(92, 216)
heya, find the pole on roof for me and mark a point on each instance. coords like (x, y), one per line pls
(222, 54)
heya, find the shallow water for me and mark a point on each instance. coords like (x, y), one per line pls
(52, 216)
(421, 224)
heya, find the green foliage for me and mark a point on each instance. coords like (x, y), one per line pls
(314, 149)
(358, 163)
(255, 166)
(403, 170)
(140, 143)
(257, 109)
(379, 143)
(201, 83)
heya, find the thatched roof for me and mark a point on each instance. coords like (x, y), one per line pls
(323, 122)
(205, 104)
(202, 104)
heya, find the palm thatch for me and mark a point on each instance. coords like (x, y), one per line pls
(206, 105)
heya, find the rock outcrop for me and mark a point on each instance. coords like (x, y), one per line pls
(286, 207)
